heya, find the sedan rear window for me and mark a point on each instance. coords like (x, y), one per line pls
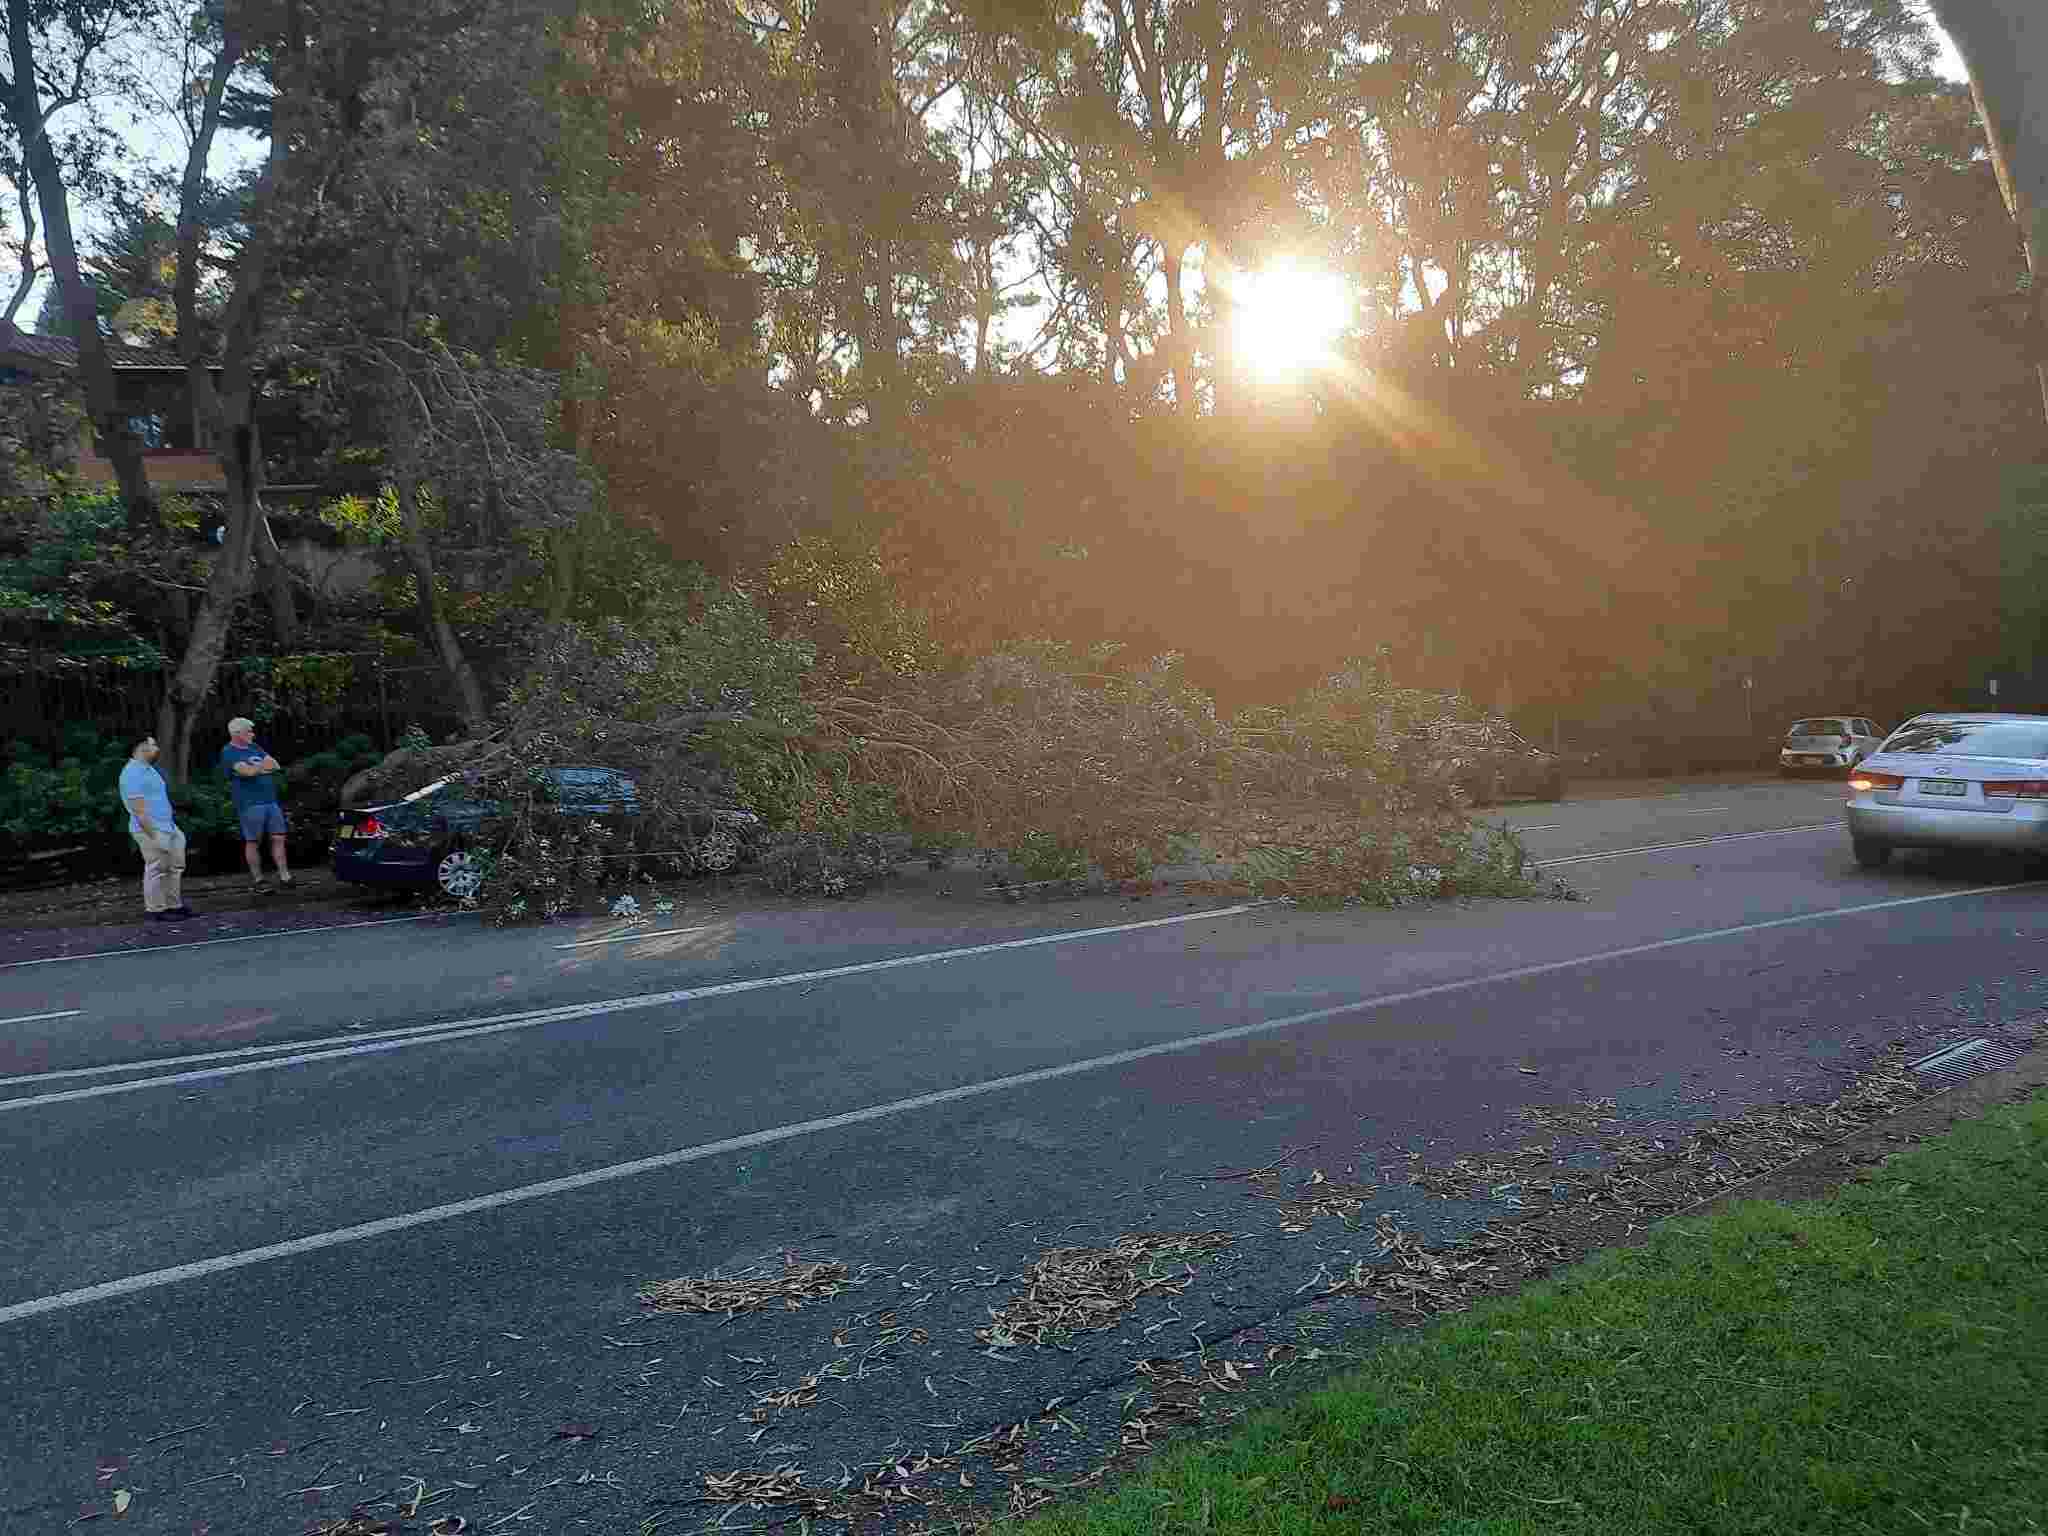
(1973, 738)
(1819, 728)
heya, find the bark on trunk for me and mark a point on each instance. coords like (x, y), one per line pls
(2004, 43)
(95, 371)
(241, 462)
(193, 681)
(277, 582)
(434, 626)
(1176, 348)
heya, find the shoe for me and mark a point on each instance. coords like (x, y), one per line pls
(286, 880)
(182, 911)
(160, 917)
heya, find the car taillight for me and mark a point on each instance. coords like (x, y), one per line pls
(1864, 782)
(370, 826)
(2017, 789)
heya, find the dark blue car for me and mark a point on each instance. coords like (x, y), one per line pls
(437, 835)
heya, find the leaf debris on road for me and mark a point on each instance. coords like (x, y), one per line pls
(1649, 1181)
(793, 1285)
(1083, 1290)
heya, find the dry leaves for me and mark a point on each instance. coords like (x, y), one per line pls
(1581, 1119)
(1081, 1290)
(856, 1361)
(793, 1285)
(1179, 1390)
(1523, 1177)
(1421, 1281)
(1320, 1197)
(782, 1487)
(1650, 1180)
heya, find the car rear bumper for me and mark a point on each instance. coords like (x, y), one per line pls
(2023, 829)
(380, 862)
(1814, 762)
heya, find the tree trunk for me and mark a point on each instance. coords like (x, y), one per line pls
(434, 626)
(2004, 43)
(116, 439)
(1176, 348)
(277, 582)
(241, 461)
(193, 681)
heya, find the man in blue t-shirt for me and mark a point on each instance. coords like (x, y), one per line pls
(147, 799)
(248, 770)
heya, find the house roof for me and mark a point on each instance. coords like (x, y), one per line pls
(60, 353)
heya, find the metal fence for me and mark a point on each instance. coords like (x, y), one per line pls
(301, 704)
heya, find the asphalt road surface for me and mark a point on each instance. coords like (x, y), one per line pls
(300, 1221)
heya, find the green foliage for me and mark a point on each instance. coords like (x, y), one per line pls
(712, 652)
(601, 570)
(373, 520)
(74, 527)
(70, 799)
(839, 592)
(72, 542)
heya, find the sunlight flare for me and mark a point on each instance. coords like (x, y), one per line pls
(1289, 318)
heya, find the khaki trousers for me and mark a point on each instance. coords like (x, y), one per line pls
(163, 869)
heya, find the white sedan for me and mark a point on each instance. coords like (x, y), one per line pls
(1828, 743)
(1953, 781)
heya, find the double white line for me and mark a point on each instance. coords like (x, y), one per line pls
(292, 1053)
(499, 1199)
(1690, 842)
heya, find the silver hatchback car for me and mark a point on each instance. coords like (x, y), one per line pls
(1953, 781)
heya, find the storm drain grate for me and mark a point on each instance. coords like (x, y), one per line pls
(1972, 1058)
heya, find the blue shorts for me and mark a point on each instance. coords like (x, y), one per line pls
(259, 820)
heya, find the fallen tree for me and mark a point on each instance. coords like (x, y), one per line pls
(1054, 763)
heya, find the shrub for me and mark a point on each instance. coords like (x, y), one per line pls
(71, 798)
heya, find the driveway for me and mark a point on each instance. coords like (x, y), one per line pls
(302, 1220)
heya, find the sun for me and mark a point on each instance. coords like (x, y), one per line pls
(1288, 318)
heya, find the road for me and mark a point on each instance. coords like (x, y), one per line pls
(296, 1221)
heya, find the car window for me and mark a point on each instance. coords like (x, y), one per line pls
(585, 786)
(1817, 728)
(1973, 738)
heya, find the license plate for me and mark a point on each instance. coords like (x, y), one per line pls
(1956, 787)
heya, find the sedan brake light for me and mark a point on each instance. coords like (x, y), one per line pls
(370, 826)
(2017, 789)
(1865, 781)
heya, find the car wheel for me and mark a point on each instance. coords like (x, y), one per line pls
(1871, 855)
(718, 851)
(460, 874)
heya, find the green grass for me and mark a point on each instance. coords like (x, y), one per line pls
(1874, 1362)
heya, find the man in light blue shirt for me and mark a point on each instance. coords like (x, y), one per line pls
(154, 827)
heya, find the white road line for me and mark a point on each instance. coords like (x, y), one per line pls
(1547, 826)
(30, 1018)
(463, 1029)
(1690, 842)
(240, 938)
(1705, 810)
(631, 938)
(156, 1278)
